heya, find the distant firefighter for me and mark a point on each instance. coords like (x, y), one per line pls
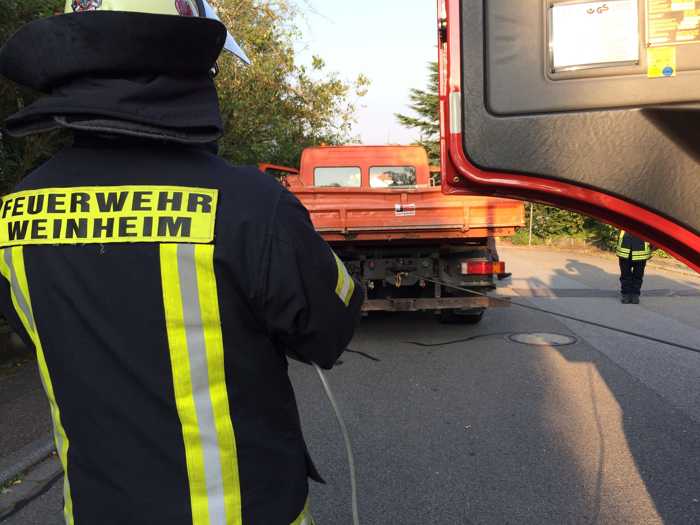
(633, 254)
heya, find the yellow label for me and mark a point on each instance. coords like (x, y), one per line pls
(108, 214)
(161, 7)
(682, 5)
(662, 62)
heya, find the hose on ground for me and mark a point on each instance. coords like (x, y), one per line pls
(346, 438)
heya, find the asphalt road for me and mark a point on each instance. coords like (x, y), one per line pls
(488, 431)
(24, 412)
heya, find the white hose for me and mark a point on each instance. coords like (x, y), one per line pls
(346, 437)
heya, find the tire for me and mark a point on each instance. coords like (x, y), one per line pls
(471, 316)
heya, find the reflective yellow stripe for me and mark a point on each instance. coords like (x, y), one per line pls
(304, 518)
(346, 285)
(22, 310)
(162, 7)
(13, 269)
(640, 255)
(621, 252)
(209, 302)
(197, 361)
(627, 253)
(184, 399)
(341, 277)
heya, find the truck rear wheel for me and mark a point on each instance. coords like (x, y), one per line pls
(468, 316)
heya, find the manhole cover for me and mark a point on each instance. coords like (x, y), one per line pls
(543, 339)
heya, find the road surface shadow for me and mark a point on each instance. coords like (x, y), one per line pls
(665, 451)
(663, 441)
(655, 282)
(528, 460)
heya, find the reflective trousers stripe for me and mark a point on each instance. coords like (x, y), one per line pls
(345, 286)
(196, 348)
(12, 269)
(638, 255)
(635, 256)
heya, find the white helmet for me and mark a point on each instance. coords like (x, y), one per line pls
(200, 8)
(122, 37)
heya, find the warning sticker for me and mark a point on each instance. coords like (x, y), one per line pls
(662, 62)
(673, 22)
(405, 210)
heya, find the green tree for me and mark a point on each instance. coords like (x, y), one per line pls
(603, 235)
(275, 108)
(550, 224)
(426, 106)
(17, 156)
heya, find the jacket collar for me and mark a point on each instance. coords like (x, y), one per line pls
(131, 74)
(178, 109)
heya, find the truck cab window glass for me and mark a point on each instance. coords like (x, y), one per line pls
(392, 177)
(338, 177)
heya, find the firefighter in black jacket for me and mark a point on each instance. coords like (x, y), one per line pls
(633, 254)
(160, 286)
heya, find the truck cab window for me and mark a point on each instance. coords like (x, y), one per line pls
(392, 177)
(335, 177)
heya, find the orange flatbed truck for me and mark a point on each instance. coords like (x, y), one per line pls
(397, 233)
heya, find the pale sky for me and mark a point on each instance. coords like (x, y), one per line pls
(390, 41)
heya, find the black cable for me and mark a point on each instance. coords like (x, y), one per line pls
(465, 340)
(363, 354)
(569, 317)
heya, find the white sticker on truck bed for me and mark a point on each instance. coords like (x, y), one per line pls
(405, 210)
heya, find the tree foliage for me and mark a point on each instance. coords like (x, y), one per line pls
(426, 106)
(271, 110)
(19, 156)
(550, 223)
(276, 107)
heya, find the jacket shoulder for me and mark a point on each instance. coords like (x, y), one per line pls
(244, 190)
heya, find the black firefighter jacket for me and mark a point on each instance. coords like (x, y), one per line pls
(162, 289)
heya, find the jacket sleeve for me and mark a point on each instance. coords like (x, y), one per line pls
(310, 302)
(8, 311)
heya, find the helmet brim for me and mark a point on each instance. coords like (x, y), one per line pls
(48, 52)
(231, 45)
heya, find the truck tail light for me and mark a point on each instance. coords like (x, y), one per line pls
(483, 268)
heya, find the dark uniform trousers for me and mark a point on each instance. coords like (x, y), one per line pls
(631, 275)
(633, 253)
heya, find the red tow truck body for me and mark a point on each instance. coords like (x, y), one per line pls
(398, 233)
